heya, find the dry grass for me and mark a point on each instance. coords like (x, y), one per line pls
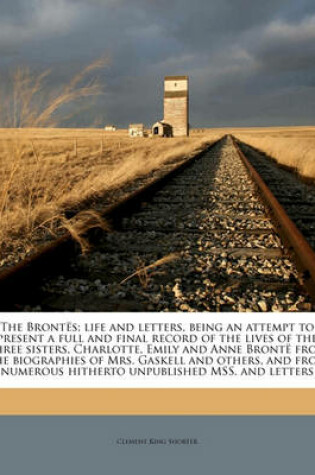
(45, 171)
(291, 146)
(30, 102)
(145, 272)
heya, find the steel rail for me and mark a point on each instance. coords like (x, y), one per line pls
(23, 278)
(293, 238)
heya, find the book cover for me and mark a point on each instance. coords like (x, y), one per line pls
(156, 314)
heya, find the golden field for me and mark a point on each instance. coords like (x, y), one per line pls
(290, 146)
(47, 171)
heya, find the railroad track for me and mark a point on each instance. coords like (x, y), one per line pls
(200, 239)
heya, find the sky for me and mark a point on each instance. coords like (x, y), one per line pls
(249, 62)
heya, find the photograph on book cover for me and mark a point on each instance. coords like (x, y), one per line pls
(157, 240)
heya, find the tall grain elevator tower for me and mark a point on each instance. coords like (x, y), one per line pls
(176, 104)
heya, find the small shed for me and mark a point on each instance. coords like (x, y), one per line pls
(110, 128)
(161, 129)
(136, 130)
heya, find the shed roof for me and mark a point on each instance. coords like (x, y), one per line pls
(161, 122)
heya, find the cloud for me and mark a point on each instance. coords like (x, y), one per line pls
(38, 19)
(285, 46)
(291, 32)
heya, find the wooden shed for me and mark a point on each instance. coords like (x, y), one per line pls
(136, 130)
(161, 129)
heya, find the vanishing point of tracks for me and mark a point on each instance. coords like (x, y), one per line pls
(200, 240)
